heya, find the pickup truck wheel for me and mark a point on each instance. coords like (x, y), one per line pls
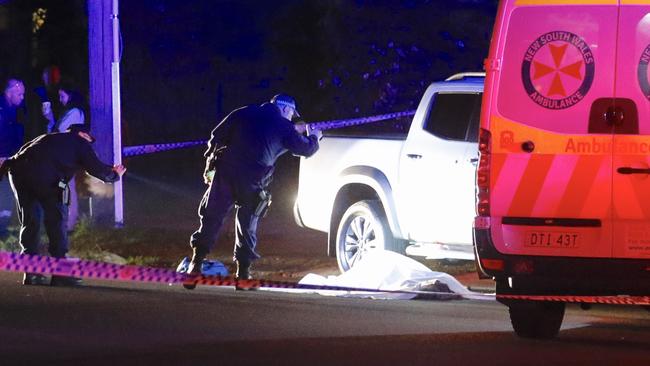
(536, 319)
(362, 228)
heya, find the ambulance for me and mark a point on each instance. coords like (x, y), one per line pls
(563, 182)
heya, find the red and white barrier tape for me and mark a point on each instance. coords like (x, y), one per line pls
(15, 262)
(611, 300)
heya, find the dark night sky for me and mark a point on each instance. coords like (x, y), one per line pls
(187, 63)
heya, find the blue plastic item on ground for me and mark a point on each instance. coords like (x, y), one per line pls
(208, 267)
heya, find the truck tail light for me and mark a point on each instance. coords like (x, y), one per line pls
(483, 174)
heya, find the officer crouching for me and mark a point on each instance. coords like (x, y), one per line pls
(39, 174)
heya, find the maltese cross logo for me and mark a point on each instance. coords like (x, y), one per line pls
(558, 70)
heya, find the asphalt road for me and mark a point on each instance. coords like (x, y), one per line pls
(112, 323)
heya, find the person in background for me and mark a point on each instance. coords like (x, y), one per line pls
(11, 138)
(71, 113)
(39, 174)
(45, 96)
(240, 161)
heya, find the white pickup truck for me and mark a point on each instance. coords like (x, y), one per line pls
(405, 185)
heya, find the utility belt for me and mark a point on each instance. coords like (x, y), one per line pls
(264, 204)
(264, 196)
(65, 192)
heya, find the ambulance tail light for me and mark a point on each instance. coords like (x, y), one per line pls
(493, 264)
(483, 174)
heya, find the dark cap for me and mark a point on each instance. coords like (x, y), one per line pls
(285, 100)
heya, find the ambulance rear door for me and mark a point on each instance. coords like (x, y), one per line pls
(631, 109)
(551, 169)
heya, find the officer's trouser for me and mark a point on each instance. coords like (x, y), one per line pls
(224, 193)
(31, 208)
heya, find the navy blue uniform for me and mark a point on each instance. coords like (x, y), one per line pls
(36, 172)
(11, 138)
(11, 131)
(243, 149)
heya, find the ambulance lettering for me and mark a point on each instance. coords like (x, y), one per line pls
(642, 72)
(557, 70)
(595, 146)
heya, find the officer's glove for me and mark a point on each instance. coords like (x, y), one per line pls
(300, 127)
(208, 175)
(317, 133)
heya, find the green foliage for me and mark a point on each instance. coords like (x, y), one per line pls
(127, 245)
(10, 242)
(98, 243)
(141, 260)
(84, 241)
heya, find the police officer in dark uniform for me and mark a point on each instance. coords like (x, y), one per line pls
(240, 160)
(39, 174)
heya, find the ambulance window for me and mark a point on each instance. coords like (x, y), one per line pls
(454, 116)
(556, 61)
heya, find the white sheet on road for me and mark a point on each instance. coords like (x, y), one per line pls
(390, 271)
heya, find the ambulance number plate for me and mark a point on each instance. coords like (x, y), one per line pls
(552, 239)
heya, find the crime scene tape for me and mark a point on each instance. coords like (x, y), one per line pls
(610, 300)
(15, 262)
(129, 151)
(328, 125)
(153, 148)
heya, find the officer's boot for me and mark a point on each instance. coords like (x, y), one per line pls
(194, 268)
(243, 270)
(34, 279)
(243, 273)
(66, 281)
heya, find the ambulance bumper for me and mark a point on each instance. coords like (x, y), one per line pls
(518, 274)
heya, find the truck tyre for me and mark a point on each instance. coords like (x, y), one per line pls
(362, 228)
(536, 319)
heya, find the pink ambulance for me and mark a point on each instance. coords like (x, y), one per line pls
(563, 183)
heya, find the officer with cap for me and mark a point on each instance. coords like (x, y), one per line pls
(39, 174)
(240, 161)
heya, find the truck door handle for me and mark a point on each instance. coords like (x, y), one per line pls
(630, 170)
(414, 156)
(473, 161)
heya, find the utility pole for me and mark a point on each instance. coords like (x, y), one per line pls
(104, 66)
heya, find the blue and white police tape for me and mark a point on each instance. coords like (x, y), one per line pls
(154, 148)
(339, 123)
(129, 151)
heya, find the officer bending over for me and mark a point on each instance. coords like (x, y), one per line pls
(39, 174)
(240, 161)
